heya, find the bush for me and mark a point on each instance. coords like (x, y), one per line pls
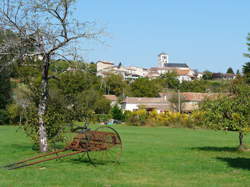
(117, 113)
(171, 119)
(14, 112)
(103, 118)
(4, 119)
(137, 118)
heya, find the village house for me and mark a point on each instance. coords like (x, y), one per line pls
(128, 73)
(149, 103)
(223, 76)
(189, 101)
(182, 70)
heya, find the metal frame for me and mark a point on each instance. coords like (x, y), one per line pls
(86, 140)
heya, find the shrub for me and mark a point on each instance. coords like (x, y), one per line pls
(171, 119)
(14, 112)
(4, 119)
(103, 118)
(117, 113)
(137, 118)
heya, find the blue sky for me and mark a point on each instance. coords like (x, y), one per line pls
(205, 34)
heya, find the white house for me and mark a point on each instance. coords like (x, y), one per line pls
(159, 104)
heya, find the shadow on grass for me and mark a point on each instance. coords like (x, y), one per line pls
(217, 149)
(240, 163)
(85, 160)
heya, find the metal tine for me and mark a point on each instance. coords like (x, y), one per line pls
(16, 167)
(33, 158)
(10, 165)
(39, 161)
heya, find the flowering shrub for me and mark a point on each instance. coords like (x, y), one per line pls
(171, 119)
(137, 118)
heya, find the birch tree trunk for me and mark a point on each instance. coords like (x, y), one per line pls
(43, 140)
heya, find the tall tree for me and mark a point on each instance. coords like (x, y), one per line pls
(5, 85)
(45, 29)
(143, 87)
(114, 84)
(230, 70)
(246, 68)
(170, 80)
(230, 112)
(5, 91)
(207, 75)
(248, 48)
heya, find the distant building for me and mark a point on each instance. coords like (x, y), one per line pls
(163, 103)
(128, 73)
(112, 98)
(103, 66)
(223, 76)
(149, 103)
(162, 60)
(184, 73)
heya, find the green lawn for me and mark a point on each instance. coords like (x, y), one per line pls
(152, 157)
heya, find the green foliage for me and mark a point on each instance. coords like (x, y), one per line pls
(103, 118)
(231, 112)
(248, 46)
(4, 118)
(205, 86)
(5, 89)
(14, 112)
(102, 105)
(230, 70)
(114, 84)
(218, 86)
(246, 72)
(143, 87)
(71, 83)
(246, 68)
(171, 119)
(117, 113)
(91, 68)
(169, 80)
(73, 95)
(193, 86)
(56, 117)
(207, 75)
(137, 118)
(5, 94)
(59, 66)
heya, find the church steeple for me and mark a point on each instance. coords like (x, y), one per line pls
(162, 59)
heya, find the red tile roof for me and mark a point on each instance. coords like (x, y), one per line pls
(143, 100)
(111, 97)
(182, 72)
(105, 62)
(192, 96)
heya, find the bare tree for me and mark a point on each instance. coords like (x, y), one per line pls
(43, 29)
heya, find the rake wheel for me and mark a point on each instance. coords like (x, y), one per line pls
(104, 145)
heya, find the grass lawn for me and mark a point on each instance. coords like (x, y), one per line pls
(152, 157)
